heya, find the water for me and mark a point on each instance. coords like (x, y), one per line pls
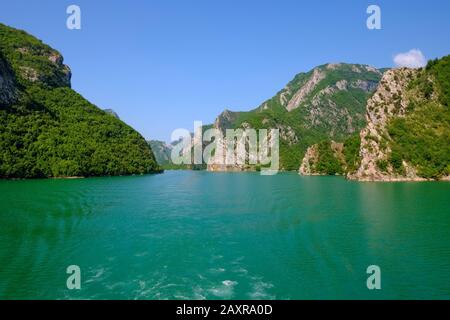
(200, 235)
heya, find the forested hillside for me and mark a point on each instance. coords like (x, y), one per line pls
(49, 130)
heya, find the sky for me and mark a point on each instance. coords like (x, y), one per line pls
(161, 65)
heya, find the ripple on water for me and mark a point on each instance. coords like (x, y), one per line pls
(97, 274)
(224, 291)
(259, 291)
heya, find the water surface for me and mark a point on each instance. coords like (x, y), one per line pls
(200, 235)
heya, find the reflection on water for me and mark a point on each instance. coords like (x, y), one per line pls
(198, 235)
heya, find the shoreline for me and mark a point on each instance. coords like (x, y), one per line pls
(365, 180)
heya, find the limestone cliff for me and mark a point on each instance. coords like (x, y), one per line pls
(408, 126)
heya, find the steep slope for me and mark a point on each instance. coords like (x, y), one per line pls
(326, 103)
(332, 158)
(408, 131)
(49, 130)
(162, 151)
(163, 156)
(324, 158)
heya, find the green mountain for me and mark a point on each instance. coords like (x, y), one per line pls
(326, 103)
(408, 126)
(49, 130)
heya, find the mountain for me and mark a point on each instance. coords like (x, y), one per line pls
(163, 155)
(408, 126)
(326, 103)
(162, 151)
(49, 130)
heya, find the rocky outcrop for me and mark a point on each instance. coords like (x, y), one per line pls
(225, 120)
(390, 100)
(56, 74)
(32, 61)
(313, 155)
(287, 134)
(219, 163)
(301, 94)
(8, 89)
(326, 97)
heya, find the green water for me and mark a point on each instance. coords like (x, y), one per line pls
(199, 235)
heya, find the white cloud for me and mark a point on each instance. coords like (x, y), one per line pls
(414, 58)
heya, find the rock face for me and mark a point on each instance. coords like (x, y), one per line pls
(49, 130)
(319, 156)
(218, 161)
(326, 103)
(408, 126)
(309, 160)
(36, 63)
(225, 120)
(390, 100)
(327, 97)
(8, 90)
(300, 96)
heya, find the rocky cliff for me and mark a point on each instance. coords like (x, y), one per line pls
(408, 126)
(389, 101)
(8, 90)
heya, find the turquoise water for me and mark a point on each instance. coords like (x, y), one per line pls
(197, 235)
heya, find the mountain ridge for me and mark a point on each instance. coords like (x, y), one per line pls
(327, 102)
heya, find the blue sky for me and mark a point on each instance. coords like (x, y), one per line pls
(163, 64)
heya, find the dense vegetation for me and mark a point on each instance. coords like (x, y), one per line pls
(52, 131)
(422, 137)
(340, 159)
(351, 152)
(327, 162)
